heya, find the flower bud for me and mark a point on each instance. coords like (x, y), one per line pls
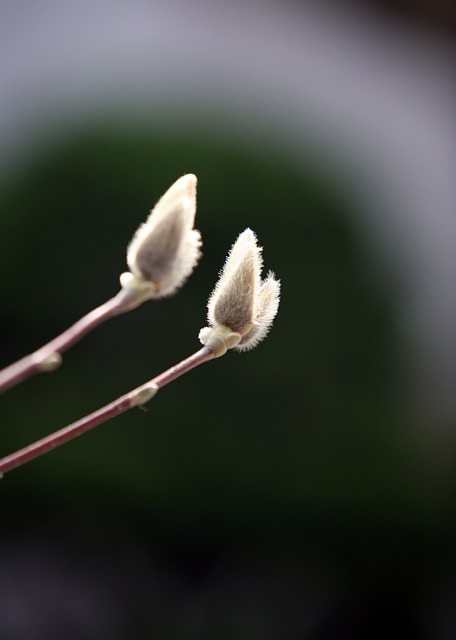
(165, 249)
(242, 306)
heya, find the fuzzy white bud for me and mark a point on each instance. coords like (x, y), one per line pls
(242, 307)
(166, 248)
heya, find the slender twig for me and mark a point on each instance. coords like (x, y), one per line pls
(134, 398)
(48, 357)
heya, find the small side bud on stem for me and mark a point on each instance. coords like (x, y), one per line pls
(50, 362)
(161, 256)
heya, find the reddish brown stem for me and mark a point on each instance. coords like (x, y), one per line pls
(47, 358)
(133, 398)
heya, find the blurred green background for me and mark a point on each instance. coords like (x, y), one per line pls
(289, 464)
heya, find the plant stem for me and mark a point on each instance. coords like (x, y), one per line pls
(134, 398)
(48, 358)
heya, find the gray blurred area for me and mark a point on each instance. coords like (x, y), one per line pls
(306, 489)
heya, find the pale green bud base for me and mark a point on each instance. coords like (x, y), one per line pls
(219, 339)
(48, 363)
(138, 289)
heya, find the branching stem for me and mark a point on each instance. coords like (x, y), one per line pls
(134, 398)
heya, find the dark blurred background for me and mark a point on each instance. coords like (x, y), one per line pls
(304, 490)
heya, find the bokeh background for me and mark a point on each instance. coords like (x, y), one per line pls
(306, 489)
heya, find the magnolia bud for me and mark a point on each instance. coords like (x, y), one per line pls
(242, 307)
(165, 249)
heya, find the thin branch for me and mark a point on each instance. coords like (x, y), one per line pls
(134, 398)
(48, 358)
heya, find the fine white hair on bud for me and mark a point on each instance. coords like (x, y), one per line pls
(267, 306)
(242, 306)
(166, 248)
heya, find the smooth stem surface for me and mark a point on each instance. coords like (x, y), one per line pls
(47, 358)
(133, 398)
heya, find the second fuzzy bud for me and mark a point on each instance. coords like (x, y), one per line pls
(242, 306)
